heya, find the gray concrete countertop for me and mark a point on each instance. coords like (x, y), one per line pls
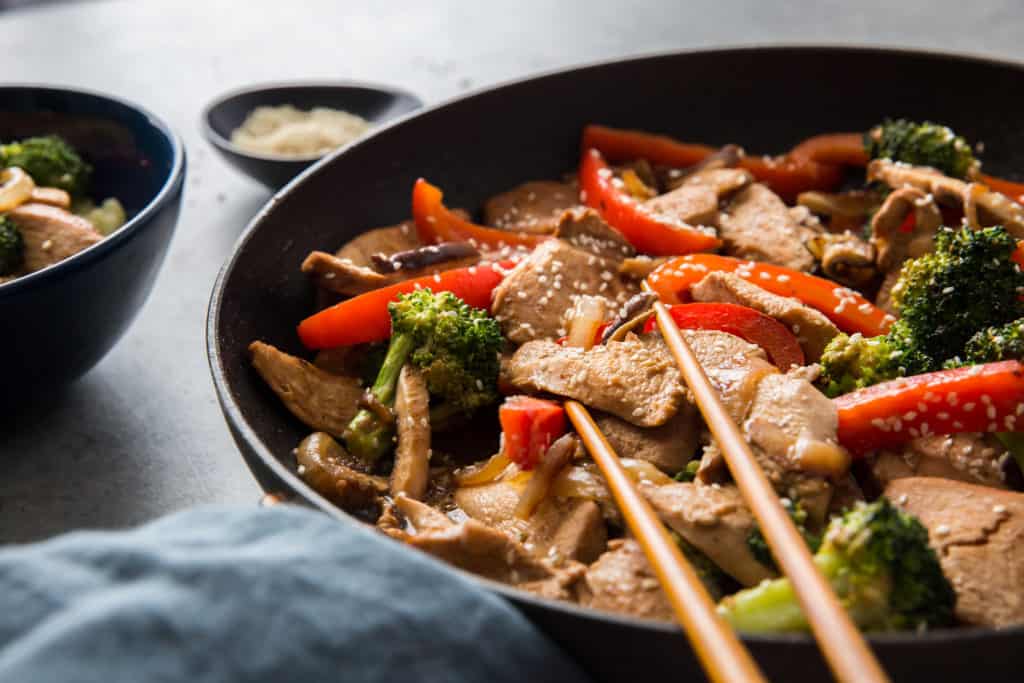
(142, 434)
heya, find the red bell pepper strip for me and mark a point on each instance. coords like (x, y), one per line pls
(365, 318)
(1014, 191)
(981, 398)
(627, 145)
(850, 311)
(845, 149)
(788, 177)
(757, 328)
(435, 223)
(649, 232)
(529, 425)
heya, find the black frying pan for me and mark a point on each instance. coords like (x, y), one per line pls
(766, 99)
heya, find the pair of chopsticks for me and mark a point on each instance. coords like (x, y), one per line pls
(720, 651)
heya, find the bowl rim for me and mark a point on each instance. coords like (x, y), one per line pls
(168, 190)
(241, 430)
(214, 137)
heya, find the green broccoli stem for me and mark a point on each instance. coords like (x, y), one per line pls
(367, 436)
(772, 606)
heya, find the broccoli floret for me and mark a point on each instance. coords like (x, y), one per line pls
(12, 246)
(993, 344)
(851, 362)
(759, 545)
(958, 305)
(50, 161)
(455, 346)
(879, 563)
(967, 284)
(921, 144)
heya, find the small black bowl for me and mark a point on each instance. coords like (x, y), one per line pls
(59, 322)
(375, 103)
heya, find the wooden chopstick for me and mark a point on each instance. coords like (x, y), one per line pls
(845, 649)
(719, 650)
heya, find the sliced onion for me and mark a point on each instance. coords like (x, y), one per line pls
(16, 188)
(586, 317)
(551, 464)
(483, 473)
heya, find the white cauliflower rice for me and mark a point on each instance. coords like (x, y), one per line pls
(288, 131)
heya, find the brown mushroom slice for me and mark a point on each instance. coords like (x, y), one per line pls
(321, 464)
(323, 401)
(893, 246)
(849, 205)
(987, 207)
(445, 254)
(412, 454)
(845, 258)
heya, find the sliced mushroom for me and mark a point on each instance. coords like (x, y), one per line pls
(979, 203)
(892, 244)
(421, 257)
(321, 462)
(844, 258)
(633, 313)
(412, 455)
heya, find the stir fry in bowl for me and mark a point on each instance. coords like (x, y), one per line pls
(46, 214)
(857, 301)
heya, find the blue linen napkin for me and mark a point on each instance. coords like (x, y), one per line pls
(282, 594)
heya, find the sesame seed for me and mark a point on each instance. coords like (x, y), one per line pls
(942, 530)
(969, 406)
(999, 509)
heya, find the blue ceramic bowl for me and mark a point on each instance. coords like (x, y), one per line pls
(375, 103)
(57, 323)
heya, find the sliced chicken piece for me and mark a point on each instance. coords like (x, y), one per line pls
(622, 581)
(533, 207)
(978, 534)
(411, 471)
(972, 458)
(584, 229)
(811, 328)
(343, 276)
(558, 530)
(689, 204)
(482, 550)
(668, 447)
(722, 181)
(388, 240)
(635, 379)
(715, 520)
(54, 196)
(757, 225)
(51, 234)
(321, 462)
(533, 299)
(323, 401)
(733, 366)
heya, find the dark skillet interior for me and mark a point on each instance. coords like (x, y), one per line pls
(375, 103)
(764, 99)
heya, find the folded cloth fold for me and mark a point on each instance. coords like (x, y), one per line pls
(274, 594)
